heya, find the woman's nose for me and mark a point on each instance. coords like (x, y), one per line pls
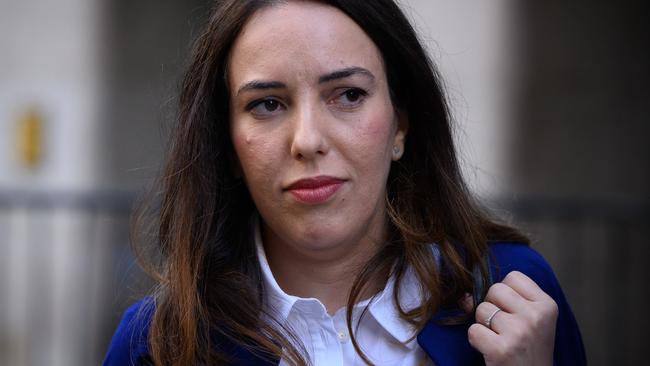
(308, 134)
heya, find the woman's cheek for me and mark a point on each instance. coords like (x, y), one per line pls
(376, 134)
(257, 157)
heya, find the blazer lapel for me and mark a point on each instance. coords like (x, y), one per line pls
(238, 355)
(447, 345)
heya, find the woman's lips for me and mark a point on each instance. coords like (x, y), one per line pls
(316, 189)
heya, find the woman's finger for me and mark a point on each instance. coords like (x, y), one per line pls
(492, 317)
(503, 296)
(525, 286)
(483, 339)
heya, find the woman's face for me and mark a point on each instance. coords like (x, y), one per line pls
(313, 127)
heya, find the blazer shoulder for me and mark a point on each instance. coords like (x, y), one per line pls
(129, 345)
(506, 257)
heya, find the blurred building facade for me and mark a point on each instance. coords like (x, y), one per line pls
(84, 90)
(50, 75)
(551, 101)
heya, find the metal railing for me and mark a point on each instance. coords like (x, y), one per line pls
(64, 258)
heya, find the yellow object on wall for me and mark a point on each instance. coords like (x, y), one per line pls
(30, 138)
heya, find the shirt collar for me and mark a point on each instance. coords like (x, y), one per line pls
(385, 311)
(383, 308)
(279, 301)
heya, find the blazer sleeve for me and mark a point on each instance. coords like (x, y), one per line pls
(129, 345)
(508, 257)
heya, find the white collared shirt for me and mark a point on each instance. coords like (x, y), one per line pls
(384, 337)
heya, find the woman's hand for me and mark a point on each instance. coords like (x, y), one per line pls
(515, 325)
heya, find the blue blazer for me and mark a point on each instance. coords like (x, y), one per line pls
(446, 345)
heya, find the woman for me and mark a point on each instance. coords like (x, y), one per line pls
(313, 211)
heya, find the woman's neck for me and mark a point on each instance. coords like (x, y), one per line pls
(325, 275)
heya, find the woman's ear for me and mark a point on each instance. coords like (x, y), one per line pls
(400, 135)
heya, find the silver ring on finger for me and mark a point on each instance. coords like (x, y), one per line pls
(488, 321)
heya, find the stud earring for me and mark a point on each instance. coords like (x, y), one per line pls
(396, 152)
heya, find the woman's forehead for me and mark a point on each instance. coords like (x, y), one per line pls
(300, 39)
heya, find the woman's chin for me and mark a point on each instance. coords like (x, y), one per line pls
(325, 246)
(321, 236)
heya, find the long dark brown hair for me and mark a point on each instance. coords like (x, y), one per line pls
(209, 295)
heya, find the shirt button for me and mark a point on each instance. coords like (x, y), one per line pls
(343, 336)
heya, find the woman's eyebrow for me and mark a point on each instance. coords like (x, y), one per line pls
(344, 73)
(260, 85)
(334, 75)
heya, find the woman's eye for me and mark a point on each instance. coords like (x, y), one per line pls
(350, 98)
(264, 107)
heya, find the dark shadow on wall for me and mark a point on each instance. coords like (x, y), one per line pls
(581, 163)
(147, 48)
